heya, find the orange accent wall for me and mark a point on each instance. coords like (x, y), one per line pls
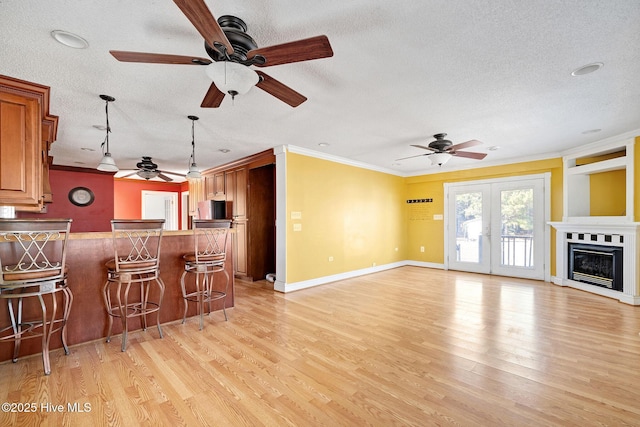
(128, 195)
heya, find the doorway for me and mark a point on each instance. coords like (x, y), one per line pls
(161, 204)
(498, 226)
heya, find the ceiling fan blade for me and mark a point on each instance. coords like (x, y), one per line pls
(213, 98)
(471, 143)
(468, 154)
(172, 173)
(424, 147)
(157, 58)
(411, 157)
(201, 17)
(283, 92)
(300, 50)
(164, 177)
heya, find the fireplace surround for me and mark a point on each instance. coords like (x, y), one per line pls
(618, 238)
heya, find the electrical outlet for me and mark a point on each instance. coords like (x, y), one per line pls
(297, 227)
(421, 248)
(330, 259)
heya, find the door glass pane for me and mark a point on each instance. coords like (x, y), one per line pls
(516, 242)
(469, 227)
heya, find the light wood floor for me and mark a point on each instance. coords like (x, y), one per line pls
(409, 346)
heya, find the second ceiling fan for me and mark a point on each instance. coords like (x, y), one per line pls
(232, 51)
(441, 150)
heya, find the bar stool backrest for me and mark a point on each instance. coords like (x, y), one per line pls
(137, 244)
(210, 237)
(32, 250)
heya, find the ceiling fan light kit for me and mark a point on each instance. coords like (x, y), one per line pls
(107, 164)
(147, 174)
(231, 77)
(439, 158)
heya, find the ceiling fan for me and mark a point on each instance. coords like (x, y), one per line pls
(443, 149)
(149, 170)
(232, 52)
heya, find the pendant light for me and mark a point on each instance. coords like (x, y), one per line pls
(107, 164)
(193, 173)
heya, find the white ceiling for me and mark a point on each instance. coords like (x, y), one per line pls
(494, 70)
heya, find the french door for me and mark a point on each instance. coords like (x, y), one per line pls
(497, 227)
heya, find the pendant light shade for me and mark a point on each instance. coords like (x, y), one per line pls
(232, 78)
(193, 173)
(107, 164)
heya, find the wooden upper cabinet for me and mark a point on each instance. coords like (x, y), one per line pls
(20, 151)
(26, 134)
(214, 186)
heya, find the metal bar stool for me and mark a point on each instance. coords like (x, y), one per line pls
(208, 258)
(33, 269)
(136, 265)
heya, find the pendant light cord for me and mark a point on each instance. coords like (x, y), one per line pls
(106, 138)
(193, 142)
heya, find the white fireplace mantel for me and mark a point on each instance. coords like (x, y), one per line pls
(630, 238)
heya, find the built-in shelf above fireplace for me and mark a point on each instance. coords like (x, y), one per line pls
(584, 226)
(613, 160)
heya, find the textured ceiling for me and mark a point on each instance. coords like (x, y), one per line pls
(498, 71)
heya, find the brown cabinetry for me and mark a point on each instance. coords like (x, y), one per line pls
(214, 186)
(249, 190)
(236, 192)
(26, 134)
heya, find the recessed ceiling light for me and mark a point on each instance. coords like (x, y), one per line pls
(586, 132)
(100, 127)
(224, 150)
(87, 149)
(493, 148)
(587, 69)
(69, 39)
(323, 144)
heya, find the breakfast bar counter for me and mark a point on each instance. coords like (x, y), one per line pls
(87, 254)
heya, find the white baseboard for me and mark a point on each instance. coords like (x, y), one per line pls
(296, 286)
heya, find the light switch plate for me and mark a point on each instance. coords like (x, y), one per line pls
(297, 227)
(438, 217)
(296, 215)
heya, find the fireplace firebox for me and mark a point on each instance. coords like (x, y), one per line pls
(596, 265)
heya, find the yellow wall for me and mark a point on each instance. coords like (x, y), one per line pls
(352, 214)
(609, 189)
(430, 233)
(359, 217)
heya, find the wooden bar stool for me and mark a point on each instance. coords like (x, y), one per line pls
(136, 265)
(208, 258)
(33, 278)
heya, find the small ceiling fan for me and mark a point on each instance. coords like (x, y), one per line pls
(149, 170)
(232, 52)
(443, 149)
